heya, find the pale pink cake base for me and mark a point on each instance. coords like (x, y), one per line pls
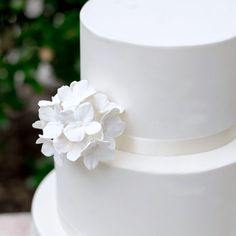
(15, 224)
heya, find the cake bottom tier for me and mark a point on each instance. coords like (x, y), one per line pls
(45, 218)
(135, 195)
(44, 210)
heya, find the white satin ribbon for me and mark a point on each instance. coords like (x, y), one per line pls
(172, 147)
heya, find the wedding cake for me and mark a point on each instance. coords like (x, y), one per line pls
(144, 144)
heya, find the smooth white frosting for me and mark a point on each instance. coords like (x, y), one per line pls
(171, 65)
(137, 195)
(172, 88)
(167, 92)
(162, 23)
(45, 220)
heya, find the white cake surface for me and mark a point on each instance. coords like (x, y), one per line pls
(139, 195)
(171, 65)
(162, 23)
(45, 219)
(168, 93)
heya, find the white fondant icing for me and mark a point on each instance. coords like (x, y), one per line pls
(45, 219)
(171, 64)
(162, 23)
(139, 195)
(167, 92)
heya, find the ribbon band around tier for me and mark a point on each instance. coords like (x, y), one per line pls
(154, 147)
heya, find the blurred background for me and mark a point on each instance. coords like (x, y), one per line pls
(39, 51)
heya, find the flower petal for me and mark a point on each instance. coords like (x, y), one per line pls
(98, 151)
(61, 144)
(84, 112)
(74, 132)
(82, 90)
(90, 162)
(38, 124)
(65, 95)
(55, 99)
(44, 103)
(47, 114)
(75, 152)
(47, 149)
(112, 143)
(52, 130)
(41, 139)
(92, 128)
(103, 105)
(66, 116)
(113, 106)
(113, 126)
(100, 102)
(90, 147)
(105, 151)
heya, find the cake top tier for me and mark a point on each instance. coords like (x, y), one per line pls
(162, 22)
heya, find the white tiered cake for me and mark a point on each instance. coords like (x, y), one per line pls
(171, 66)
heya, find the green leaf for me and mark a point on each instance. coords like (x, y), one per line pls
(17, 5)
(4, 122)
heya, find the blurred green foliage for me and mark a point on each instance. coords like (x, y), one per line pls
(32, 32)
(39, 168)
(35, 33)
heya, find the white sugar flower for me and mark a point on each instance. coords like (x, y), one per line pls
(72, 96)
(47, 146)
(112, 124)
(98, 151)
(49, 150)
(79, 122)
(103, 105)
(103, 149)
(55, 101)
(72, 150)
(52, 120)
(83, 124)
(39, 124)
(53, 126)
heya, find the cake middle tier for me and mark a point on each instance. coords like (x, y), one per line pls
(168, 92)
(137, 195)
